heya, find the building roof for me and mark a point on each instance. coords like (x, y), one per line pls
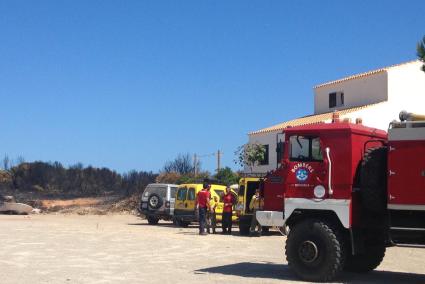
(364, 74)
(310, 119)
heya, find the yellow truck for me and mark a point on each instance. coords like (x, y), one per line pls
(247, 186)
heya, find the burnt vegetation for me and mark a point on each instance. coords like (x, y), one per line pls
(52, 179)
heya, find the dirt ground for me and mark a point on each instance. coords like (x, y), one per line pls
(124, 249)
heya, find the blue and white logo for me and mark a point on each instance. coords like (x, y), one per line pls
(301, 174)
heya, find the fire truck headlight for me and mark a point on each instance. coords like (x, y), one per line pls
(319, 191)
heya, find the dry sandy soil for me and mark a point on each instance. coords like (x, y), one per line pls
(124, 249)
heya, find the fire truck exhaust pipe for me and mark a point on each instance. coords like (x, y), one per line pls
(410, 116)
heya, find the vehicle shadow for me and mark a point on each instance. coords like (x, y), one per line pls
(237, 234)
(157, 225)
(267, 270)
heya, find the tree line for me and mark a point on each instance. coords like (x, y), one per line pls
(52, 178)
(182, 170)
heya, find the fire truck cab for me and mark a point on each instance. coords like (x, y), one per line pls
(344, 192)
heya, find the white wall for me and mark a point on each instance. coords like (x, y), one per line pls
(265, 139)
(377, 116)
(406, 87)
(357, 92)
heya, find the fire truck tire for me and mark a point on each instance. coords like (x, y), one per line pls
(367, 261)
(315, 250)
(152, 220)
(373, 178)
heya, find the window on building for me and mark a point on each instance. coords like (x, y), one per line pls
(305, 148)
(265, 161)
(336, 99)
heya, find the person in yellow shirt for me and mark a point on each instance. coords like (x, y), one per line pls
(256, 204)
(211, 221)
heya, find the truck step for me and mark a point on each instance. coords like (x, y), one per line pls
(407, 229)
(410, 245)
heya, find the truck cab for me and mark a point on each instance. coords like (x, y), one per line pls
(319, 169)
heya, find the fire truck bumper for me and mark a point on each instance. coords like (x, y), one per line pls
(270, 218)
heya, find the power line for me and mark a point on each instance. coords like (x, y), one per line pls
(196, 157)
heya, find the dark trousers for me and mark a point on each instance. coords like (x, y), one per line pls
(202, 219)
(211, 222)
(254, 224)
(226, 222)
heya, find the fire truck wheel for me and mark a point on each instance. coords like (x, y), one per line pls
(367, 261)
(152, 220)
(373, 178)
(315, 250)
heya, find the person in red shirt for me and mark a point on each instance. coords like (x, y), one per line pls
(202, 205)
(226, 221)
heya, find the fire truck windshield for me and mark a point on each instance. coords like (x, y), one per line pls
(304, 148)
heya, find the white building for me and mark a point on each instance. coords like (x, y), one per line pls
(376, 96)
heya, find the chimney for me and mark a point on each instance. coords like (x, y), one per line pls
(335, 117)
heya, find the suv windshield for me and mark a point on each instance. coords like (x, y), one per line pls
(160, 190)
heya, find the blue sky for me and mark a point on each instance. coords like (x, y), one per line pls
(131, 84)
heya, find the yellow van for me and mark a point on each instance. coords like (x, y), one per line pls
(185, 211)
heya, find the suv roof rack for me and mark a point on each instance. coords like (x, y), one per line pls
(206, 180)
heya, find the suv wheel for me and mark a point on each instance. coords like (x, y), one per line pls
(182, 223)
(154, 201)
(152, 220)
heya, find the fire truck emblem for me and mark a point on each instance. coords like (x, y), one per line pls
(302, 171)
(301, 174)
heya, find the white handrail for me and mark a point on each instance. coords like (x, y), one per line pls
(328, 151)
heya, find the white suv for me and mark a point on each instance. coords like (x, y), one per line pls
(158, 202)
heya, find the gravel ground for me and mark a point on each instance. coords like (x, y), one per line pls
(125, 249)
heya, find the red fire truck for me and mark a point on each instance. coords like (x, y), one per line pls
(345, 192)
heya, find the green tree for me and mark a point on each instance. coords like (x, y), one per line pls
(191, 178)
(250, 155)
(420, 49)
(227, 176)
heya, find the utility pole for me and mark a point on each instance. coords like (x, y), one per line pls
(195, 164)
(218, 160)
